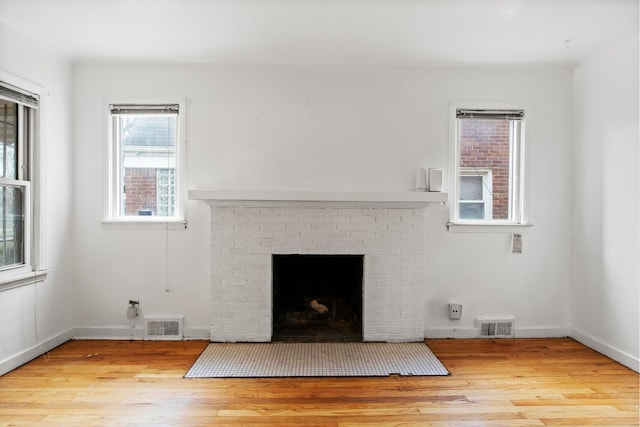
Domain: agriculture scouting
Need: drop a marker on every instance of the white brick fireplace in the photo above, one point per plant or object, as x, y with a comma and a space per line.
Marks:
247, 228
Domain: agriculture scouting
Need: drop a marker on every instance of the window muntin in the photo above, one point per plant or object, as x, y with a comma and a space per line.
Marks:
488, 146
145, 144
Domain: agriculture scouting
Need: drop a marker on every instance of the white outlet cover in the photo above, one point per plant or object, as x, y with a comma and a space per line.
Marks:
455, 311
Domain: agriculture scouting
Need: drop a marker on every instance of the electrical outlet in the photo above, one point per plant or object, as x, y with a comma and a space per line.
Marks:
455, 311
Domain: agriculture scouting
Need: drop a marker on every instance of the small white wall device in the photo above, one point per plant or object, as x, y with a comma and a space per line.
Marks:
436, 180
421, 180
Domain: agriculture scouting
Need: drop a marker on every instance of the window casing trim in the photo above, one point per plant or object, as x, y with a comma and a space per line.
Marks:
127, 105
33, 269
484, 227
519, 204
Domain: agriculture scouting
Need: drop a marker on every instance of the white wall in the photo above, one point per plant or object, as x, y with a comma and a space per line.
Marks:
47, 303
606, 256
332, 128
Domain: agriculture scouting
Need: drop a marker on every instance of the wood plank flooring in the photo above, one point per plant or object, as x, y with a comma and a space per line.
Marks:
522, 382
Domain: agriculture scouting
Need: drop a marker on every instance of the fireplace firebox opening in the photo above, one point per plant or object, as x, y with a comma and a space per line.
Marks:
317, 298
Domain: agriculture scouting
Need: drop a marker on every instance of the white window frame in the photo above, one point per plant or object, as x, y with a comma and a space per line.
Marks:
518, 185
487, 185
112, 217
32, 270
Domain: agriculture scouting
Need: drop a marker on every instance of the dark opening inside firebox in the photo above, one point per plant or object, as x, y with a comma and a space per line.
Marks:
317, 298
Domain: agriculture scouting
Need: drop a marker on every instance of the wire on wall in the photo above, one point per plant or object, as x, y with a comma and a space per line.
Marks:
166, 257
36, 298
169, 204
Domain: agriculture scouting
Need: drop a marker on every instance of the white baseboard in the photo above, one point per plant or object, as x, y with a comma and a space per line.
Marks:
197, 334
608, 350
124, 333
31, 353
108, 333
451, 333
475, 333
542, 332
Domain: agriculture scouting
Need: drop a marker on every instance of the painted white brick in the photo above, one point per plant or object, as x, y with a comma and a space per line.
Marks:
323, 226
276, 242
350, 211
223, 226
244, 239
273, 211
233, 282
234, 251
313, 235
299, 226
355, 226
364, 219
320, 211
273, 227
278, 219
288, 234
338, 219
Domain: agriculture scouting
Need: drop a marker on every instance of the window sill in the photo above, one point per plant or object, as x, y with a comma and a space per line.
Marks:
21, 279
457, 227
145, 224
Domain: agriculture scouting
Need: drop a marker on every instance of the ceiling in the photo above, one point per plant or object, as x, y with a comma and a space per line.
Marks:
408, 32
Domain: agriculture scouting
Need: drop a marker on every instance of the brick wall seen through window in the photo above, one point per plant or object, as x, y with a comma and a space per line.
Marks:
485, 144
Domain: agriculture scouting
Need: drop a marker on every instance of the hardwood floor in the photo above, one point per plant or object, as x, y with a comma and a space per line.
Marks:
523, 382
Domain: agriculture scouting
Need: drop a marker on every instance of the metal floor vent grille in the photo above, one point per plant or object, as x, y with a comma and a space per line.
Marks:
496, 328
163, 328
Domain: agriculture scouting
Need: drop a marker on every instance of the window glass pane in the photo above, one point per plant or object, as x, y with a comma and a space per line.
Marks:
471, 187
147, 145
8, 138
471, 210
166, 192
11, 226
486, 144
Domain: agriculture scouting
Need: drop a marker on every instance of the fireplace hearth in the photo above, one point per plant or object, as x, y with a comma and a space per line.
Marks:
317, 298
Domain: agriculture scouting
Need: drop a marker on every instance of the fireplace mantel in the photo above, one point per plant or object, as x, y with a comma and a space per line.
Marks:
276, 198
